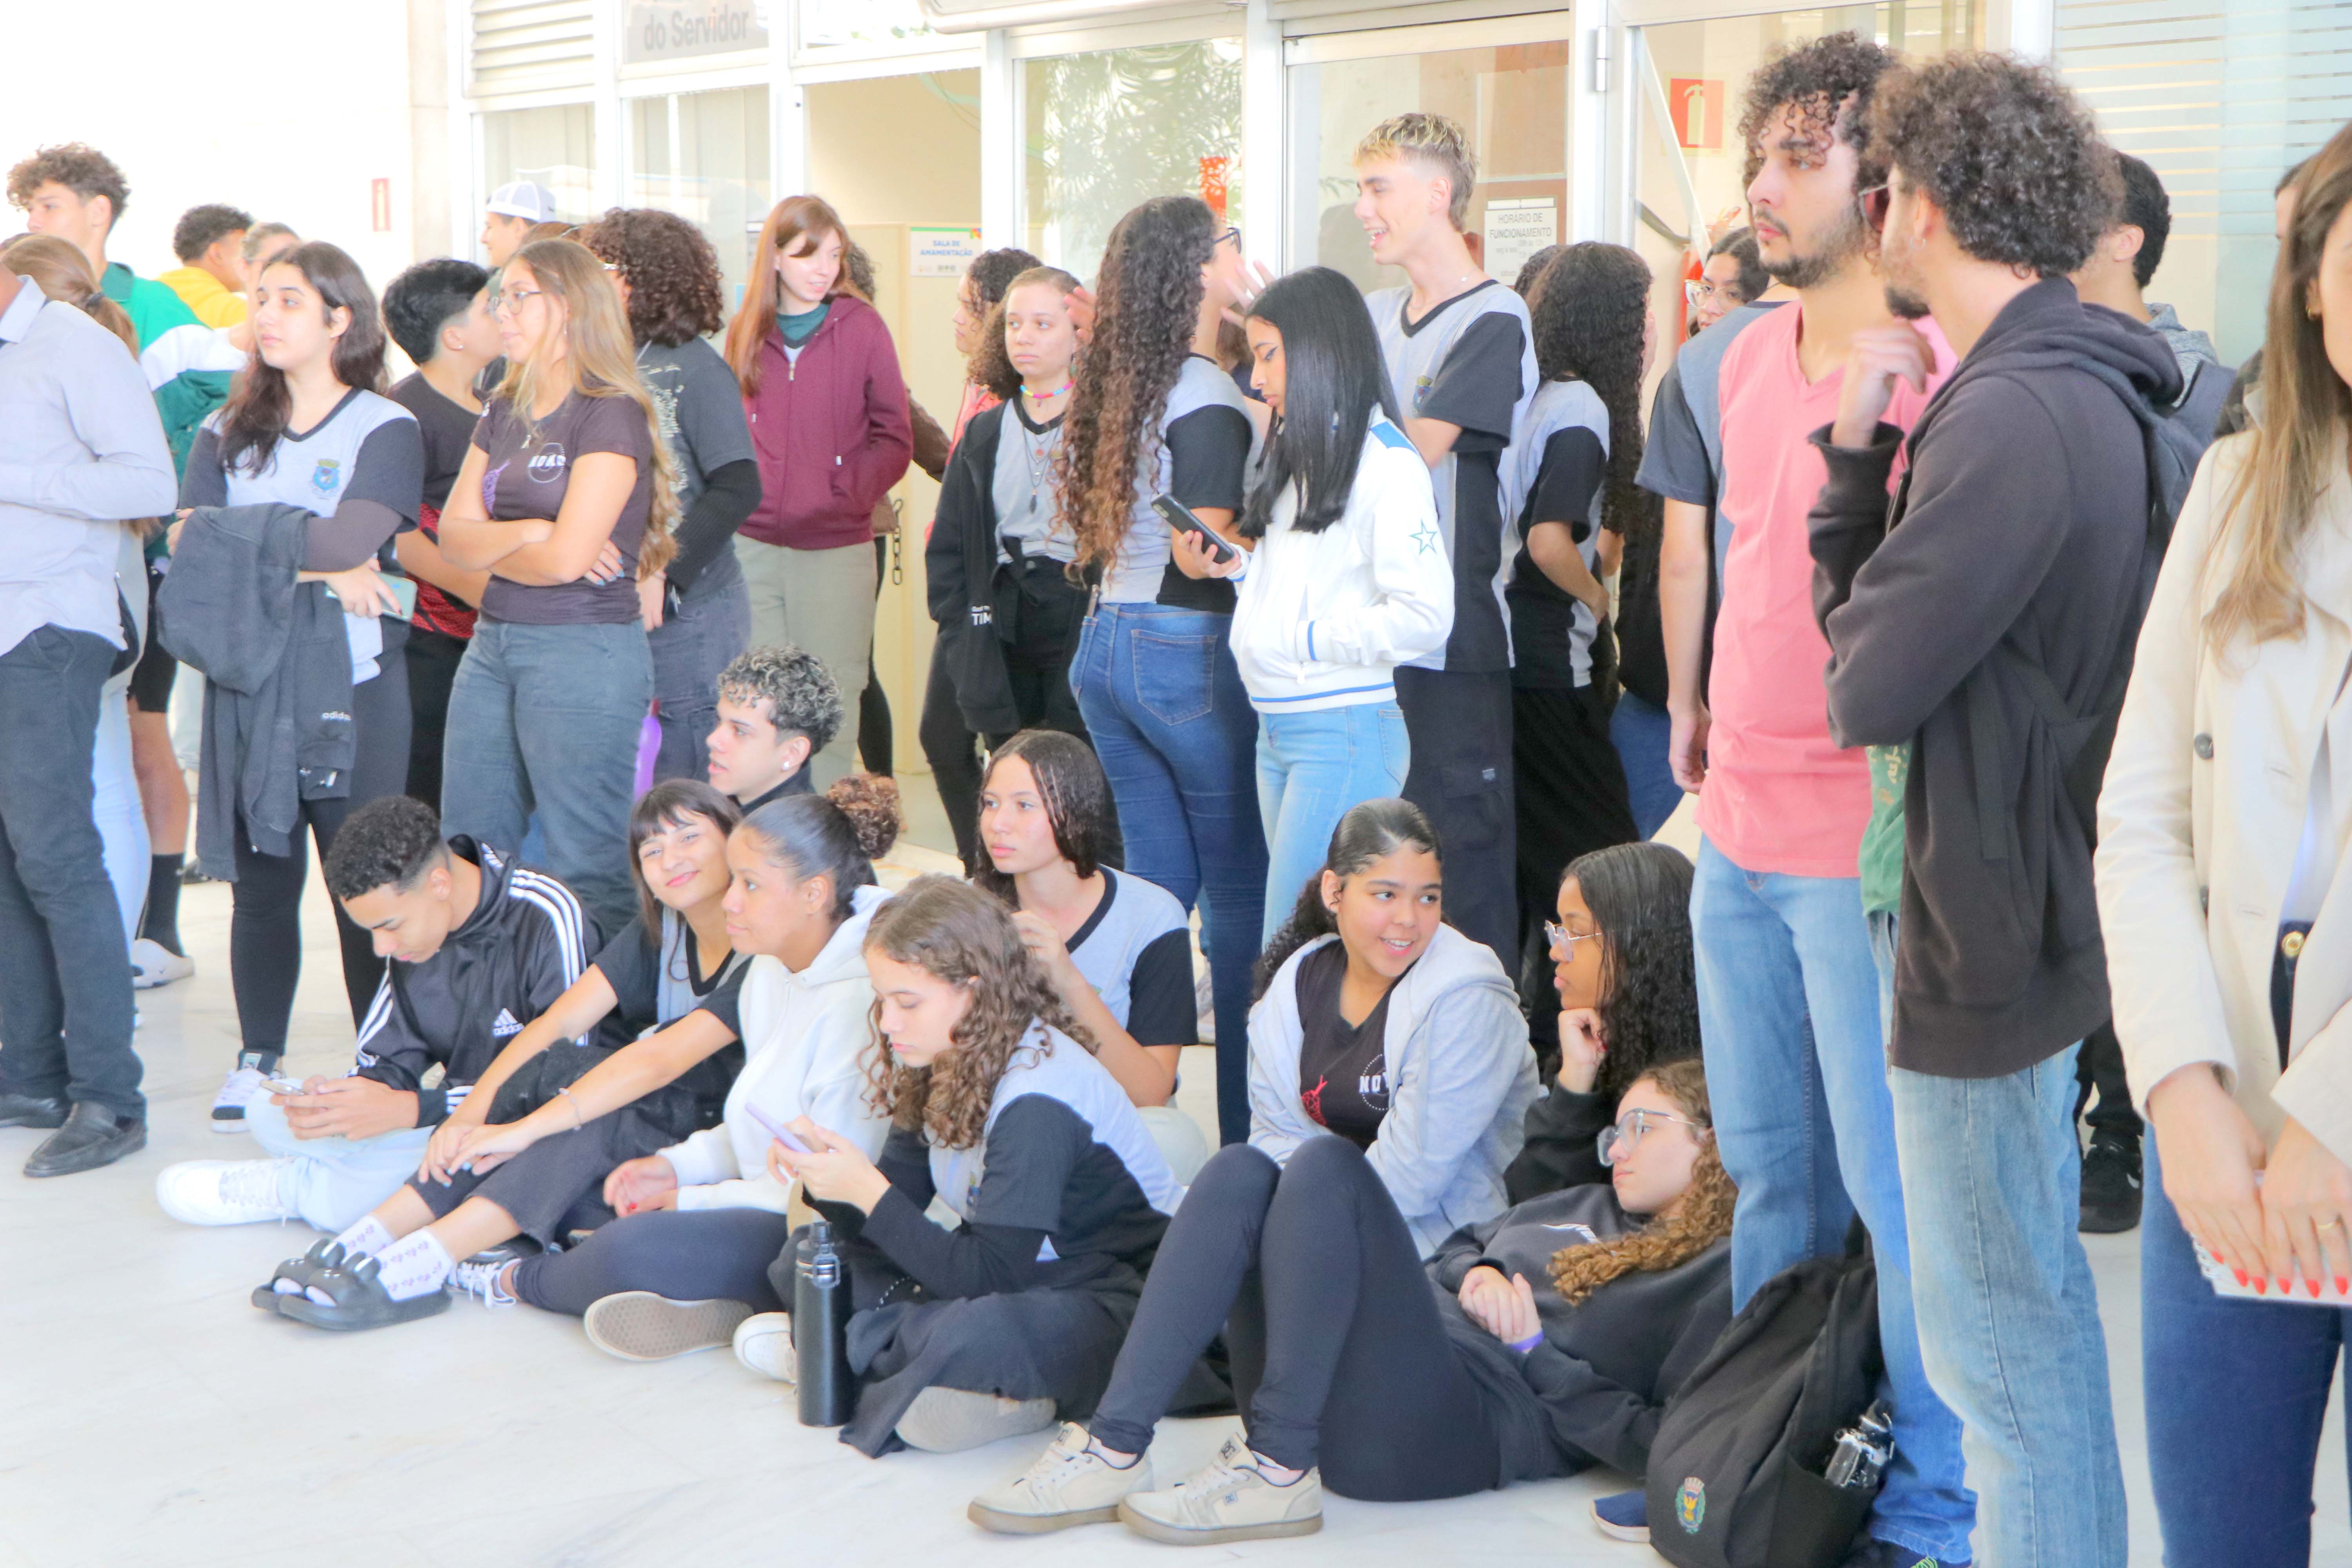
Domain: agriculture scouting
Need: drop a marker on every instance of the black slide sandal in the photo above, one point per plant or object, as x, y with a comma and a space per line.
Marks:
361, 1301
303, 1271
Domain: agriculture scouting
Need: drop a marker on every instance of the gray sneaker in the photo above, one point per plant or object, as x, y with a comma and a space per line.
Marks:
1071, 1483
640, 1325
950, 1420
1230, 1500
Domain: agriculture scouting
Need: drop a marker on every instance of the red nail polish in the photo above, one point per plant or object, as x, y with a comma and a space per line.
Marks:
2342, 1285
2240, 1274
2315, 1287
2261, 1287
2286, 1286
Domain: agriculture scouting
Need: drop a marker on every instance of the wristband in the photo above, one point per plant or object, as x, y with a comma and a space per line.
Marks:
578, 1120
1530, 1342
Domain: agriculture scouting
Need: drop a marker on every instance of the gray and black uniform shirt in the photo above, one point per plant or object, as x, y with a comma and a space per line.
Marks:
1200, 457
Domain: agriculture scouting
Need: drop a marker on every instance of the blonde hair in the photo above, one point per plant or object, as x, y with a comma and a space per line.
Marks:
2299, 441
601, 358
1438, 144
1702, 1219
62, 272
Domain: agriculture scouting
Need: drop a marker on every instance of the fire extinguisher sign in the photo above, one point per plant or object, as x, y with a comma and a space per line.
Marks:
1696, 104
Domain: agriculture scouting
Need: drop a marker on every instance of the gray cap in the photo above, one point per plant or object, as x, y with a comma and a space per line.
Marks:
524, 199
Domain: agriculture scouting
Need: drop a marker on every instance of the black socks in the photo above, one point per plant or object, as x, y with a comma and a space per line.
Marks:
162, 924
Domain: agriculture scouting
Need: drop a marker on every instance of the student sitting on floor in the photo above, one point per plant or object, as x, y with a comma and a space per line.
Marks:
1118, 948
1620, 952
479, 949
777, 707
999, 1109
701, 1220
1402, 1380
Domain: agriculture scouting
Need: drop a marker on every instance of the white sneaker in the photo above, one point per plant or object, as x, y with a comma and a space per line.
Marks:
1071, 1483
1230, 1501
950, 1420
244, 1081
153, 964
763, 1343
480, 1281
226, 1192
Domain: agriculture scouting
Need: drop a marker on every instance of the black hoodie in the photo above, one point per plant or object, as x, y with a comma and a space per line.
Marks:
2012, 555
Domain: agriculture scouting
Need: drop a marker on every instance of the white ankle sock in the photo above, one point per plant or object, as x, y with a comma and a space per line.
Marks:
367, 1236
412, 1265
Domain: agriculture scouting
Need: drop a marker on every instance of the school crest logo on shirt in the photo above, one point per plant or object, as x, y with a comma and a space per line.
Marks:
1690, 1505
547, 464
326, 477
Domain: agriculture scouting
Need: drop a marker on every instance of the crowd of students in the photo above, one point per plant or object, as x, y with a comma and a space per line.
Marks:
1268, 605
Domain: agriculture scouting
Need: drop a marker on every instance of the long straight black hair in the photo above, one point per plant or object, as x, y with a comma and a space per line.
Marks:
1367, 831
1333, 379
258, 409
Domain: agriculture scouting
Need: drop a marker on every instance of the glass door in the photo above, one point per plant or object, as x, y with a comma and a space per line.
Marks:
704, 156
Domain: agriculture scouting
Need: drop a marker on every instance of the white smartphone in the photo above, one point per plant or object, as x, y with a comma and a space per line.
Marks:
781, 1134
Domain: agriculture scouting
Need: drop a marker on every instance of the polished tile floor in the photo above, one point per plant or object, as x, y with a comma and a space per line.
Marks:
150, 1416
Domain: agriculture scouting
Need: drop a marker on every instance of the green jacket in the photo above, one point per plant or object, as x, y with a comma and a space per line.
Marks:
175, 350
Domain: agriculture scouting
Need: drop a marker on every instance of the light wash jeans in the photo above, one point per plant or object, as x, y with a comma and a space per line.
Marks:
337, 1180
121, 823
1796, 1070
2008, 1318
1641, 731
1311, 768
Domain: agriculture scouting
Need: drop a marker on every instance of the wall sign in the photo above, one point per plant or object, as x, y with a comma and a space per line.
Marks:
1516, 227
657, 31
940, 251
1696, 104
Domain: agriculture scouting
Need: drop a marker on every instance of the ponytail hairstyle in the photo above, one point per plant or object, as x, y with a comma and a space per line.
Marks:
1078, 804
62, 271
668, 805
1365, 834
790, 221
601, 357
1703, 1218
953, 931
1591, 311
1147, 308
1639, 898
991, 363
255, 416
1334, 380
835, 835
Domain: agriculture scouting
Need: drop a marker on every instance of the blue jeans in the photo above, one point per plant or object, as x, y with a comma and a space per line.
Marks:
1796, 1070
1178, 740
2007, 1317
545, 719
1311, 768
1641, 731
2237, 1392
693, 644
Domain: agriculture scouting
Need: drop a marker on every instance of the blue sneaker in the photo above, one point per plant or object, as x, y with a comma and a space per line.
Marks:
1624, 1517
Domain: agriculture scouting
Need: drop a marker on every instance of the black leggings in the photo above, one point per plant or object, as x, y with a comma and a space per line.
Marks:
264, 927
874, 746
953, 750
1339, 1355
700, 1255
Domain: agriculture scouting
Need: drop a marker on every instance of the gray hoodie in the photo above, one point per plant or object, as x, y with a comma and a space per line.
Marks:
1461, 1075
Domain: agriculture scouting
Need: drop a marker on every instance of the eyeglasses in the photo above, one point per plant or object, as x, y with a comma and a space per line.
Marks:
1233, 234
1625, 1134
1559, 935
509, 303
1874, 201
1699, 290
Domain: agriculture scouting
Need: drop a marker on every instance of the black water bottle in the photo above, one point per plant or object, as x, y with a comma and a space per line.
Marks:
820, 1329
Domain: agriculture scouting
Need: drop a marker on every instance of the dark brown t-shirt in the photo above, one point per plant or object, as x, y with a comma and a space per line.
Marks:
529, 478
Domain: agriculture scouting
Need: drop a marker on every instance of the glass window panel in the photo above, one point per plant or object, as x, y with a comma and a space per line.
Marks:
704, 156
840, 24
555, 146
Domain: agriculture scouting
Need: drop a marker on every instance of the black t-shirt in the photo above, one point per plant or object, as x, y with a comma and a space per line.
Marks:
657, 984
1343, 1074
1208, 466
530, 475
1549, 626
448, 430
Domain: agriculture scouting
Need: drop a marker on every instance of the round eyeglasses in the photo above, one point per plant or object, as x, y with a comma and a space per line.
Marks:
1625, 1135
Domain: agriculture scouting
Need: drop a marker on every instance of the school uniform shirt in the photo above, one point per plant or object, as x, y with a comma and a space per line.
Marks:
528, 476
1322, 620
361, 469
657, 979
523, 946
1023, 487
1201, 456
448, 429
1559, 465
1343, 1076
1065, 1182
1471, 362
1136, 950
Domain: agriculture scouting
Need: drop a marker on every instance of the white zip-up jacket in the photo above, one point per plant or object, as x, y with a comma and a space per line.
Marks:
804, 1038
1323, 619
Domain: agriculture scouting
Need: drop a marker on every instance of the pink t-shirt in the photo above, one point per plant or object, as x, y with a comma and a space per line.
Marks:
1780, 796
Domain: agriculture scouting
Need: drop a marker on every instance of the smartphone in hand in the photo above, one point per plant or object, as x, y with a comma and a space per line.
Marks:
1180, 516
779, 1133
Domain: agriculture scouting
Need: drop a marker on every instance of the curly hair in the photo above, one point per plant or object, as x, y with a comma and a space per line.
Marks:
1078, 802
953, 931
1703, 1220
388, 843
1830, 84
670, 268
1639, 898
1531, 271
799, 691
1591, 311
201, 227
79, 167
835, 835
991, 364
1147, 306
2007, 151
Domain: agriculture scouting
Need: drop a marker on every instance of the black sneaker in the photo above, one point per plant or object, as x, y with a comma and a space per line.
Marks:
2111, 1185
1876, 1553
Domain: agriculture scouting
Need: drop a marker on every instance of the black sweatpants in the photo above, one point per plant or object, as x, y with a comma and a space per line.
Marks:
953, 750
698, 1255
1339, 1355
433, 660
874, 738
264, 927
1572, 800
2100, 1065
1460, 726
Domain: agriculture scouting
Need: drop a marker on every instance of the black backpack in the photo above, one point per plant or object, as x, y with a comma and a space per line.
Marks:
1735, 1477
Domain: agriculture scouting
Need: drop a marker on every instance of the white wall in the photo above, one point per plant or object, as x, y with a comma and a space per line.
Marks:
288, 112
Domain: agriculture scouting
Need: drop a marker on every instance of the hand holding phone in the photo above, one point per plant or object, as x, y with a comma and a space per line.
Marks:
1180, 516
781, 1134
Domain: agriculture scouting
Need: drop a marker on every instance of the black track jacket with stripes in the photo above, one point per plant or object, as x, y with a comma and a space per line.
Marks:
522, 948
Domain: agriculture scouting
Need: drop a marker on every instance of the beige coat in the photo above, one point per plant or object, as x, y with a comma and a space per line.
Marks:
2200, 820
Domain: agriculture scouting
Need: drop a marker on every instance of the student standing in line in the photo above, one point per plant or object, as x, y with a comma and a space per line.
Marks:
1342, 583
1461, 358
828, 412
514, 209
990, 274
567, 500
310, 428
81, 450
1155, 676
209, 240
777, 707
438, 313
697, 611
2220, 796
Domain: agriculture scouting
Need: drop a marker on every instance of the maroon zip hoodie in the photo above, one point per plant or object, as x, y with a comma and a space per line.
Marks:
831, 431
